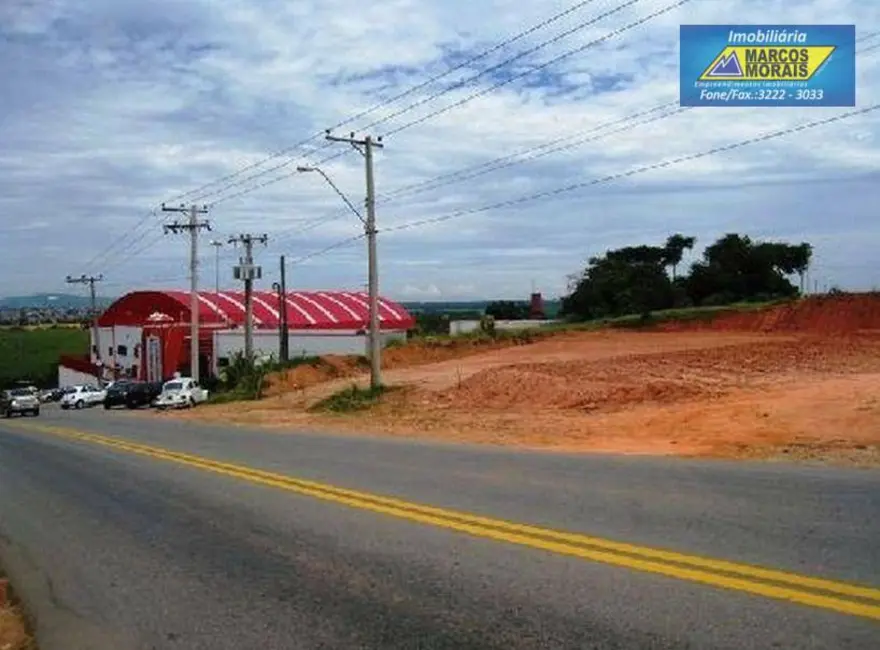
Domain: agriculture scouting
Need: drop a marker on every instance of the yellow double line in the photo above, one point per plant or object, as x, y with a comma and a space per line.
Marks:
840, 597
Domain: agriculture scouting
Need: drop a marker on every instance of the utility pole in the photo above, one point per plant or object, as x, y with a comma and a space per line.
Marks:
217, 244
365, 146
90, 280
283, 333
247, 271
193, 226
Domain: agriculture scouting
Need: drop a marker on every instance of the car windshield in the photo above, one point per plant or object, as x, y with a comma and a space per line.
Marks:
173, 385
19, 392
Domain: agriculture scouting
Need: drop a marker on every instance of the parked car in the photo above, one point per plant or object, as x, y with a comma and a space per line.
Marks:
132, 394
116, 393
181, 392
53, 394
82, 396
19, 401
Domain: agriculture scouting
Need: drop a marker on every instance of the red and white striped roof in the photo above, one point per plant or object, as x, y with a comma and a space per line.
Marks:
305, 309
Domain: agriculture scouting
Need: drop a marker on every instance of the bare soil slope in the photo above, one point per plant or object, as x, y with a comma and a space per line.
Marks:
796, 380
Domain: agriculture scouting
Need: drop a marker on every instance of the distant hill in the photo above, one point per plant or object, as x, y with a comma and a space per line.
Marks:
51, 301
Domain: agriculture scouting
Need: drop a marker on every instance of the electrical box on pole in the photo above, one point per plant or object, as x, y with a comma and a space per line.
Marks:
247, 272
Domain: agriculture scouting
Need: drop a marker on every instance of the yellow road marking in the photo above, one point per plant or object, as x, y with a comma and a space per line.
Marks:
841, 597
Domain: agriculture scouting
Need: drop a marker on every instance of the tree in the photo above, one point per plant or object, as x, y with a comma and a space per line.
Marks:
675, 247
507, 310
735, 268
630, 280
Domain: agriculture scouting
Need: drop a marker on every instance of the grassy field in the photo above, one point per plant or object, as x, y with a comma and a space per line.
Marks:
32, 354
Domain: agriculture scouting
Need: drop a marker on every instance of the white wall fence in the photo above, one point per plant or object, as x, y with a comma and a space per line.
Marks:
311, 343
457, 327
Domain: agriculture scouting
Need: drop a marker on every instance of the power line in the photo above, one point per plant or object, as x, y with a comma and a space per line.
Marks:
146, 217
555, 146
471, 97
509, 160
502, 64
632, 172
554, 60
392, 100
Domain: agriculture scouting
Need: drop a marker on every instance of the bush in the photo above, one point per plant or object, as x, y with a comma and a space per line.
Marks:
244, 380
350, 399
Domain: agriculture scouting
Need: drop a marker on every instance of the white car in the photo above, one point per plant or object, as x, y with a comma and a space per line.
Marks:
181, 392
82, 396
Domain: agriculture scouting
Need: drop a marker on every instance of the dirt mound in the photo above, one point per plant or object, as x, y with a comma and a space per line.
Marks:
611, 384
310, 374
816, 314
416, 353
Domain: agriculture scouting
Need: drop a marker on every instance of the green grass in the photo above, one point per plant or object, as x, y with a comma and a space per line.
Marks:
32, 355
633, 321
350, 399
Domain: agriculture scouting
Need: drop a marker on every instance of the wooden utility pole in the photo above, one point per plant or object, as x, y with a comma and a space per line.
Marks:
283, 332
365, 146
96, 331
193, 226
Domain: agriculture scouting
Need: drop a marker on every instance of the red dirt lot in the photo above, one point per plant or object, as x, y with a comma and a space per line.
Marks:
799, 380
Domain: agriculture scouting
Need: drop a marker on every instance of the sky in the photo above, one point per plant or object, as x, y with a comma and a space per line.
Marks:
111, 107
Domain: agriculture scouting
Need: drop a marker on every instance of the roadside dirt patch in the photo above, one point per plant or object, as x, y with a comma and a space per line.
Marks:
13, 633
829, 314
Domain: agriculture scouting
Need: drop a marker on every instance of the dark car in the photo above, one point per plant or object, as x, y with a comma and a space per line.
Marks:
140, 393
117, 394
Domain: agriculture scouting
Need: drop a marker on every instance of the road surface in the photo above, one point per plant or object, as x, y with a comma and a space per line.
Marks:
130, 531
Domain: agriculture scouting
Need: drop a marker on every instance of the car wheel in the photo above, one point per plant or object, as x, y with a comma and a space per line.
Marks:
79, 404
35, 412
7, 414
106, 406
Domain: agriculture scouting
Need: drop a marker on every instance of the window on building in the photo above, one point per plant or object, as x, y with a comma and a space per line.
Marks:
110, 351
95, 350
122, 350
222, 362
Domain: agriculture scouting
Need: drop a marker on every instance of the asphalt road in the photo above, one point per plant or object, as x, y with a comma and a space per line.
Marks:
118, 547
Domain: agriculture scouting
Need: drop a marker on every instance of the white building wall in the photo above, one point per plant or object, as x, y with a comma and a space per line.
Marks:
302, 343
467, 326
119, 344
70, 377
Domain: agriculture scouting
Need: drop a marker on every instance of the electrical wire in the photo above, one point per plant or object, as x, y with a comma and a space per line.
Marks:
556, 145
410, 91
469, 98
413, 89
632, 172
554, 60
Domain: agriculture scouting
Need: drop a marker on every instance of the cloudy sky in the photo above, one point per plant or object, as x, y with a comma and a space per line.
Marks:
110, 107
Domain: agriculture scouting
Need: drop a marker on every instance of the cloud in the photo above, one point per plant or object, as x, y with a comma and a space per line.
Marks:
114, 106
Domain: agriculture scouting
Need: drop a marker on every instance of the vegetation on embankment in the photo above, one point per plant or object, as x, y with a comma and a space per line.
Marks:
351, 399
32, 354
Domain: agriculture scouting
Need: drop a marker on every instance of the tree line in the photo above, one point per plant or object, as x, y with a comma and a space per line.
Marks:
642, 279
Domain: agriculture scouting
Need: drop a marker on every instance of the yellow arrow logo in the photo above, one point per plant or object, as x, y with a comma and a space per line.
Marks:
767, 63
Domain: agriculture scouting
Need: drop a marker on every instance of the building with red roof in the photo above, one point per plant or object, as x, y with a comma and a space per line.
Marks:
146, 334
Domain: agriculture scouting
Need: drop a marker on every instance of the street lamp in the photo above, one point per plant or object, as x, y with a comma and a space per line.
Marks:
304, 170
369, 224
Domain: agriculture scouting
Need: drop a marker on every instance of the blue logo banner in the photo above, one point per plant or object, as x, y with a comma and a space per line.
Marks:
767, 65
